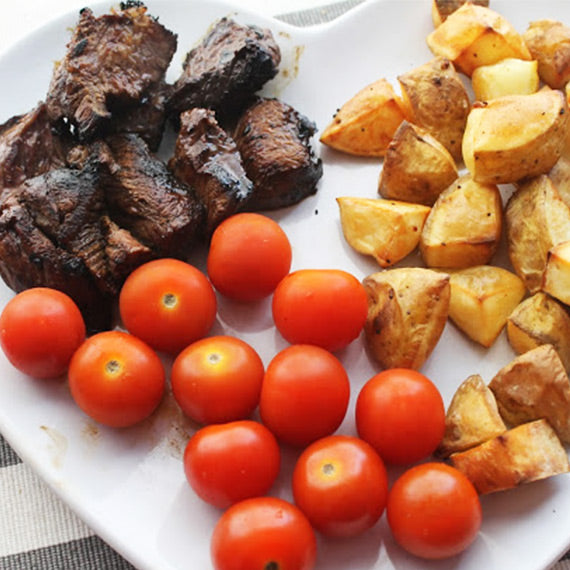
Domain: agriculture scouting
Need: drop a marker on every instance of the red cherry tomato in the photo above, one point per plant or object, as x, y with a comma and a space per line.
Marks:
341, 485
325, 307
217, 379
401, 414
263, 533
116, 379
249, 254
304, 395
434, 511
40, 329
168, 304
227, 463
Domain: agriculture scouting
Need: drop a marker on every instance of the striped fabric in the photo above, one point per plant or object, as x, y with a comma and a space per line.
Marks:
37, 530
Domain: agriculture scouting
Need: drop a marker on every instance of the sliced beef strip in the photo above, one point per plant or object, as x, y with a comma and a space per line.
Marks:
29, 258
206, 158
148, 200
225, 70
28, 147
112, 62
274, 141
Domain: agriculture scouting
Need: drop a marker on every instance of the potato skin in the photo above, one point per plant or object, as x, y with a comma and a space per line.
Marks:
436, 100
417, 167
407, 312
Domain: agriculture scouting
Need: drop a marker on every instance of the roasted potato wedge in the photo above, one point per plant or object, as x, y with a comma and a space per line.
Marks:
515, 136
476, 35
549, 43
482, 298
506, 77
441, 9
536, 219
417, 167
539, 320
464, 225
407, 312
471, 419
385, 229
556, 278
435, 98
560, 177
535, 385
526, 453
366, 123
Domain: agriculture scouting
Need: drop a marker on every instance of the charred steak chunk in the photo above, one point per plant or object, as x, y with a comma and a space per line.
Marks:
145, 198
28, 147
274, 142
112, 62
29, 258
223, 72
206, 158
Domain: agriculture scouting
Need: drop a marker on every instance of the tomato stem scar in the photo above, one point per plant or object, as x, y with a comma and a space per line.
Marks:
328, 469
113, 366
272, 565
170, 300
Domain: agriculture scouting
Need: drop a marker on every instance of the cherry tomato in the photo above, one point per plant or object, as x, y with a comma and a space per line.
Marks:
401, 413
226, 463
304, 395
217, 379
341, 485
168, 304
40, 329
325, 307
264, 533
434, 511
116, 379
249, 254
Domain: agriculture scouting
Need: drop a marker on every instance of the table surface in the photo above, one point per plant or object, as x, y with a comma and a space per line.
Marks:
37, 530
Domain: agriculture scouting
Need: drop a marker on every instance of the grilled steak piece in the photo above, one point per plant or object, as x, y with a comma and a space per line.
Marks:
274, 142
145, 198
206, 158
224, 71
112, 62
28, 147
29, 258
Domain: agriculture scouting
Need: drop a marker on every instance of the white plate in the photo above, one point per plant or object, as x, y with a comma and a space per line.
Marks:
129, 485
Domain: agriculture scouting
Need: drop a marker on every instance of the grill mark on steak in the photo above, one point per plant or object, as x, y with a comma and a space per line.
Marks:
207, 159
226, 69
146, 198
28, 147
274, 142
112, 61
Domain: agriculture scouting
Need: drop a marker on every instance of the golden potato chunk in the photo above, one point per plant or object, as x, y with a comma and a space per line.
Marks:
464, 225
560, 178
556, 278
549, 43
506, 77
482, 298
535, 385
526, 453
407, 312
471, 419
515, 136
539, 320
441, 9
385, 229
476, 35
417, 167
435, 98
536, 220
366, 123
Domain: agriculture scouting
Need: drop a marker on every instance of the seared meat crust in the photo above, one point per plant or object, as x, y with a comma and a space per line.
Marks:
274, 142
206, 158
225, 70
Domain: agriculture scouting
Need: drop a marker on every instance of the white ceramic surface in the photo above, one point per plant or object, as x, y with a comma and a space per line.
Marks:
129, 485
